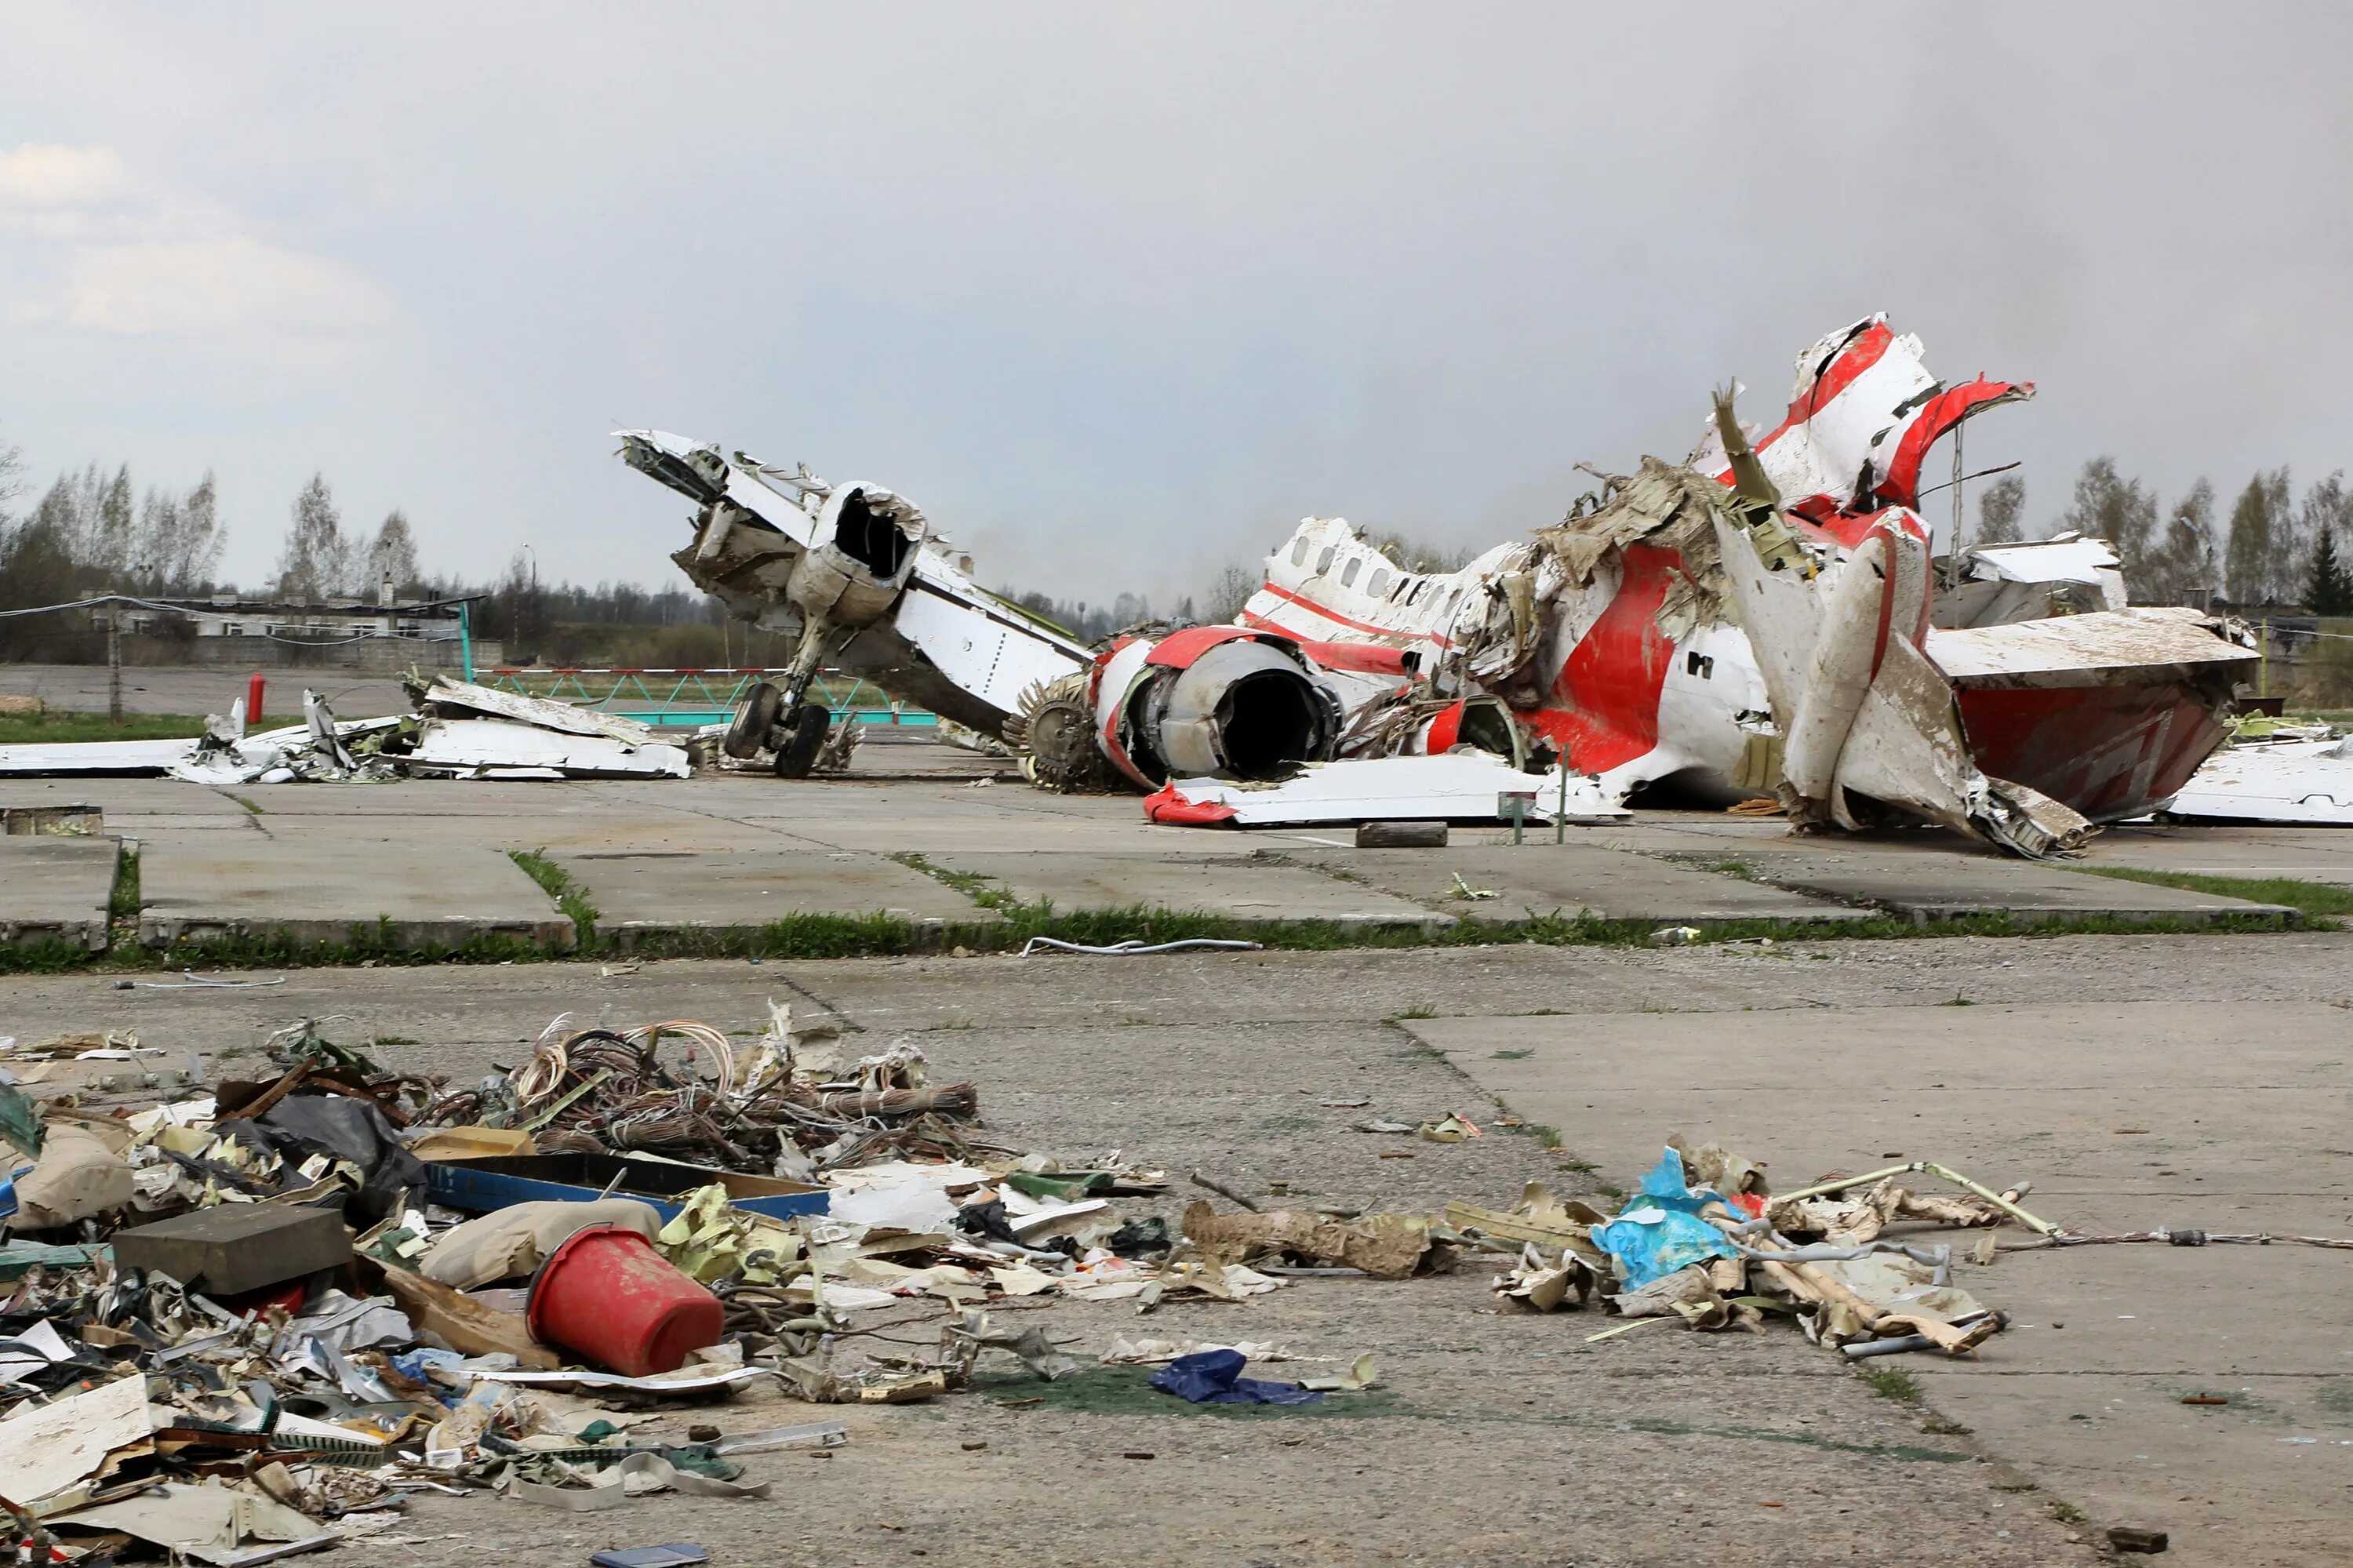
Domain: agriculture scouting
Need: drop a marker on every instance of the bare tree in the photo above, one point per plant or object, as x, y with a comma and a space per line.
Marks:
392, 553
2123, 512
2185, 560
114, 535
1229, 593
12, 478
197, 554
2253, 560
317, 562
2000, 506
1415, 555
179, 540
156, 541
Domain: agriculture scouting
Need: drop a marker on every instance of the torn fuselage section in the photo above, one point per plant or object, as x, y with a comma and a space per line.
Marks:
1769, 617
1870, 731
857, 576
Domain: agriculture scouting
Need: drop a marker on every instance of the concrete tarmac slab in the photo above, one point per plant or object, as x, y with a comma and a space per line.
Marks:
434, 896
2308, 854
56, 889
2218, 1116
1925, 887
1545, 878
133, 807
636, 891
1235, 887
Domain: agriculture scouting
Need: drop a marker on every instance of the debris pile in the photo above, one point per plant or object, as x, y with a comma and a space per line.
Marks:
260, 1315
1705, 1241
456, 730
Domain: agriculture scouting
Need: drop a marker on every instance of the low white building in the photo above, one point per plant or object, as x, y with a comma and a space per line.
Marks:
225, 615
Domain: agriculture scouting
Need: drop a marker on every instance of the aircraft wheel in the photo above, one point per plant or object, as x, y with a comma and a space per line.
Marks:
754, 716
803, 737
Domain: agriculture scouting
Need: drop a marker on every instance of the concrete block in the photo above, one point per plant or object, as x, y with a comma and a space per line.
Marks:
1922, 888
639, 891
235, 1247
56, 889
430, 894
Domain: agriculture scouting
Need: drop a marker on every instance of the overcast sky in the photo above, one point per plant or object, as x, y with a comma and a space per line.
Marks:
1116, 294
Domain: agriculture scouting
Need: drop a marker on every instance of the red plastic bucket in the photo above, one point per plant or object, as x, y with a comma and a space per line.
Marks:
606, 1294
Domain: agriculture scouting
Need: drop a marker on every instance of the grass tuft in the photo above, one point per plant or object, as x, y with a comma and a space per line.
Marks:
1890, 1383
569, 895
123, 898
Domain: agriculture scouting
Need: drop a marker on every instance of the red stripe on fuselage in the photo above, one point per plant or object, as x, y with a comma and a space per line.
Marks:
1858, 356
1605, 703
1334, 616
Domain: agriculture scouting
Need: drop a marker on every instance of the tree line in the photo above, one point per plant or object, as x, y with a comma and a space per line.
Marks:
2273, 549
96, 532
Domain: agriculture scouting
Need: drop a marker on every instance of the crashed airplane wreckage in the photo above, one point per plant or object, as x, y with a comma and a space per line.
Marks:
459, 730
1766, 618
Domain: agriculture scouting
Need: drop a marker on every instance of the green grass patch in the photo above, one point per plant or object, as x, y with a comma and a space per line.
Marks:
569, 895
251, 806
981, 890
123, 898
1545, 1134
792, 936
48, 956
1888, 1382
2318, 900
54, 727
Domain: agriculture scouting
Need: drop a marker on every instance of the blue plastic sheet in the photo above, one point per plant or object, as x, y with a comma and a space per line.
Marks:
416, 1366
1214, 1377
1660, 1231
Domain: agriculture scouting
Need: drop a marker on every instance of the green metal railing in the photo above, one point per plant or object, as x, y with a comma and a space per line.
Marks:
684, 699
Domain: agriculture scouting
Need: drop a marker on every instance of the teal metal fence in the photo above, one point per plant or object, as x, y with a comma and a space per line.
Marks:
687, 699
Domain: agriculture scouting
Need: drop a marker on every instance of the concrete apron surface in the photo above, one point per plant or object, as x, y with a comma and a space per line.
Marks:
2221, 1117
736, 852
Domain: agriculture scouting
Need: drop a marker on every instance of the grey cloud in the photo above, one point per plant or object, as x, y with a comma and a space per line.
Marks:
1090, 283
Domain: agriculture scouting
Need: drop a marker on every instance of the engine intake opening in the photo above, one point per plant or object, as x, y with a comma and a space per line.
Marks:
871, 535
1269, 722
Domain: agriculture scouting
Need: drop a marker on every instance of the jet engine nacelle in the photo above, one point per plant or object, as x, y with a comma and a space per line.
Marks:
860, 557
1222, 702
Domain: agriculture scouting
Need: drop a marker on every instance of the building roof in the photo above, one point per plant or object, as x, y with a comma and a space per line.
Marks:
422, 609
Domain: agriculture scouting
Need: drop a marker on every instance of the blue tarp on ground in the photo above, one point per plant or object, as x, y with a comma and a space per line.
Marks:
1214, 1377
1660, 1231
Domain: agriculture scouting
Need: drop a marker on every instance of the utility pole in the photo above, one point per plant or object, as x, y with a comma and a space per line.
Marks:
115, 661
